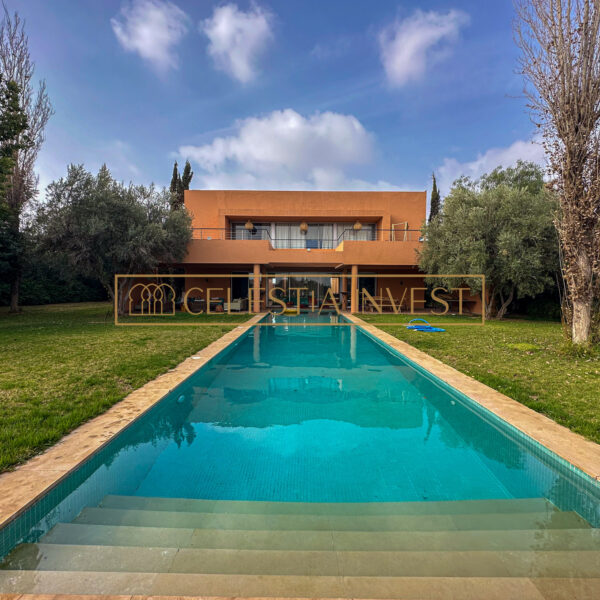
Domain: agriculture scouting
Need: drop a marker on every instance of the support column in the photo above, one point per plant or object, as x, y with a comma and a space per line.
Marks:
344, 293
256, 290
354, 290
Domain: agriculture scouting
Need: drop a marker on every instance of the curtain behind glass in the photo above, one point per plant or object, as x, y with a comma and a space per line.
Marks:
320, 235
346, 231
288, 235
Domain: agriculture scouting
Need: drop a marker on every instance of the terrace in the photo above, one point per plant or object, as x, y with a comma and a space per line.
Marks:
313, 236
320, 245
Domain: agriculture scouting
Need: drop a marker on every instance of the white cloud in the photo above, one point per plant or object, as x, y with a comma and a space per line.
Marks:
285, 150
408, 46
152, 29
451, 168
237, 39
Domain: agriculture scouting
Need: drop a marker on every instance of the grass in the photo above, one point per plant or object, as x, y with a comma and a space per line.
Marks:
184, 318
528, 361
64, 364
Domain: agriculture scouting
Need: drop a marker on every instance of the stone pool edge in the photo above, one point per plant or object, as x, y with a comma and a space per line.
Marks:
568, 445
21, 488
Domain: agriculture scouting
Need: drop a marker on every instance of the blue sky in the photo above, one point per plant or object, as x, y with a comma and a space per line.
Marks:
281, 94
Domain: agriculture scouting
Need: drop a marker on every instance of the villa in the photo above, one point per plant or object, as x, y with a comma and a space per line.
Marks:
357, 235
304, 243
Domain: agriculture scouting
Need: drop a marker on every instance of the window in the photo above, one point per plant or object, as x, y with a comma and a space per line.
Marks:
318, 235
288, 235
346, 231
260, 231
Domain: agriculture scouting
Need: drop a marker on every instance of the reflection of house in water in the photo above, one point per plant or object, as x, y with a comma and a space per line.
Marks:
290, 398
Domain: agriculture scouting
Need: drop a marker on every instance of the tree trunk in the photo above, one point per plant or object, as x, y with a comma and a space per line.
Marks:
14, 293
582, 303
123, 297
489, 302
505, 304
582, 320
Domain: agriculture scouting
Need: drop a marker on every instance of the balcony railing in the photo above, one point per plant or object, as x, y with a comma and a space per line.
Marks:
306, 242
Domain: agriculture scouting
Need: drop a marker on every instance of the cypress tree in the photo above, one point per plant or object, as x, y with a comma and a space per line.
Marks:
435, 204
174, 178
13, 131
186, 177
180, 183
14, 137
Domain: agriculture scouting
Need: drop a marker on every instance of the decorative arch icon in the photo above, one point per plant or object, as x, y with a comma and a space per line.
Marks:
154, 299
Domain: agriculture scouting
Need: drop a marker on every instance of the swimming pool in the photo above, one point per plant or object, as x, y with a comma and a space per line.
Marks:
321, 415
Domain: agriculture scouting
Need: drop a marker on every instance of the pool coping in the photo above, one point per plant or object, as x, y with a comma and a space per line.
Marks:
572, 447
21, 488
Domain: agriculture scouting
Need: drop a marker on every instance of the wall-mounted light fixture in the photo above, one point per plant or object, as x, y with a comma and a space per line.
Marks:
304, 227
357, 226
249, 225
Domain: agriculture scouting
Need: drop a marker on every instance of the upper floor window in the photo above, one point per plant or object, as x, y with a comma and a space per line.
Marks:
312, 236
259, 231
316, 236
346, 231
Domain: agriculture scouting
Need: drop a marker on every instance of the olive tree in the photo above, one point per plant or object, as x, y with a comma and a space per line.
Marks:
101, 227
501, 226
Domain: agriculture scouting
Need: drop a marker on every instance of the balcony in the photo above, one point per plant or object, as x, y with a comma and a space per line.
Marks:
306, 241
380, 247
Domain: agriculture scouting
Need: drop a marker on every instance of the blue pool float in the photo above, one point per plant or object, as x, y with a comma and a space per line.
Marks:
426, 327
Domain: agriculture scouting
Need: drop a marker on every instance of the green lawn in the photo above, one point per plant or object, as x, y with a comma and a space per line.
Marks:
64, 364
526, 360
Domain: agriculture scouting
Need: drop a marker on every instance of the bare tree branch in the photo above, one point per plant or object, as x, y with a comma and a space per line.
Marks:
560, 61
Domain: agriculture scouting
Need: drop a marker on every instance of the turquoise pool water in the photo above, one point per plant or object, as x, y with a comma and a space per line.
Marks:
315, 414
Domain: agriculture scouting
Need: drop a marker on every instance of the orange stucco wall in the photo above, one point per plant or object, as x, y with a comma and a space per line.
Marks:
214, 208
245, 252
217, 209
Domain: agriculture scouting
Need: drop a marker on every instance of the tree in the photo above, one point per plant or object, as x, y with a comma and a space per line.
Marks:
502, 230
560, 60
13, 137
13, 132
101, 227
174, 180
186, 177
180, 183
16, 66
434, 207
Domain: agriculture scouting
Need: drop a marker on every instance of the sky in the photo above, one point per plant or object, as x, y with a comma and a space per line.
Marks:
281, 94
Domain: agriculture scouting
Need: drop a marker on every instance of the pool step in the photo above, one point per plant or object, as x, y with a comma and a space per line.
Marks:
555, 563
520, 539
508, 505
492, 549
391, 588
311, 522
